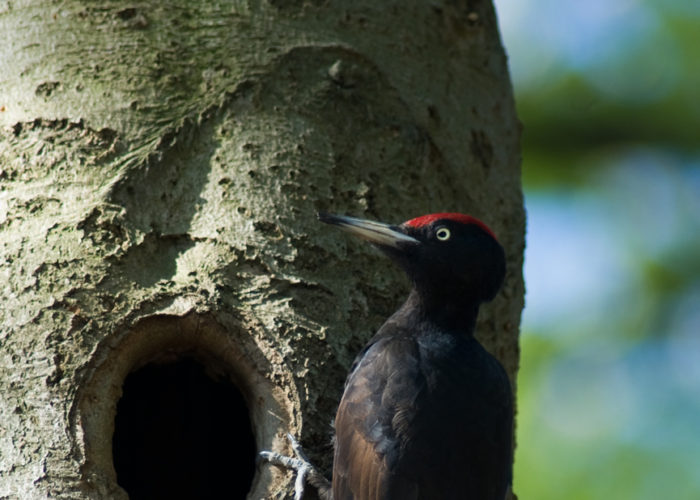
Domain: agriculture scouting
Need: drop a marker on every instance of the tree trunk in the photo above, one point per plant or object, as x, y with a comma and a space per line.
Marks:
161, 170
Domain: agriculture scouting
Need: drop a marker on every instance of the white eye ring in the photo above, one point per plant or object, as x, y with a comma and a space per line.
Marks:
443, 234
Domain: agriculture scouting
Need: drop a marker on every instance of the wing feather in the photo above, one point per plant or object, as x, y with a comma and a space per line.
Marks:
411, 422
365, 438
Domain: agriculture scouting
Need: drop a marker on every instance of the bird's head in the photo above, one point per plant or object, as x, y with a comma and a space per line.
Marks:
448, 256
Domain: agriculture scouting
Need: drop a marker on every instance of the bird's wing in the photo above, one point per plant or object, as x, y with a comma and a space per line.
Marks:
368, 425
423, 421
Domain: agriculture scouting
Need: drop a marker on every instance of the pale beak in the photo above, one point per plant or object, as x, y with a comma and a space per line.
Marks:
374, 232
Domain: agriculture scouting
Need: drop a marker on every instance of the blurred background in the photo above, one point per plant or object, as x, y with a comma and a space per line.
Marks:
609, 387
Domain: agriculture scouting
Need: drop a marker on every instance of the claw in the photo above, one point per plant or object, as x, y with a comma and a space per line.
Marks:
297, 447
305, 470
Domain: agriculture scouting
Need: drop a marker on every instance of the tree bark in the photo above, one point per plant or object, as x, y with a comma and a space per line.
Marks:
160, 172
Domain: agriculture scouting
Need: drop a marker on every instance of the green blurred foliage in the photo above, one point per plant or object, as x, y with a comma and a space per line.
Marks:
647, 92
609, 385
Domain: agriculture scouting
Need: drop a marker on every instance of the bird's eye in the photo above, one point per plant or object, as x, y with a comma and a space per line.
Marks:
443, 234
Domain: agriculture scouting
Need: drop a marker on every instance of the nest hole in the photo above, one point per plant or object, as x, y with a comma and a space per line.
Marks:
180, 433
178, 407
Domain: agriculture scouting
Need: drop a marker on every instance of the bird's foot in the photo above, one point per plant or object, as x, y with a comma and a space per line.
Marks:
306, 471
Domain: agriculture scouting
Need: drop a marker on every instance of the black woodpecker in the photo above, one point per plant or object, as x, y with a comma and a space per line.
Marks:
427, 412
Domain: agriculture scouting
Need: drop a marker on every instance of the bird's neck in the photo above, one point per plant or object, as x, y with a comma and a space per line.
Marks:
452, 315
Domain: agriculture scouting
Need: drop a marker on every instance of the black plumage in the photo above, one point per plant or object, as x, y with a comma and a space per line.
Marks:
427, 412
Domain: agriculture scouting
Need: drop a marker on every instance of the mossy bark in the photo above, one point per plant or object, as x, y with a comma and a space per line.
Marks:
160, 171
